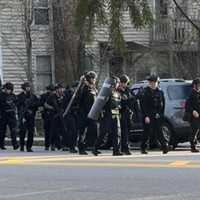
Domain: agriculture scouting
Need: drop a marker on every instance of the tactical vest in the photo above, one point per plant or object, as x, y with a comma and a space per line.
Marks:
115, 101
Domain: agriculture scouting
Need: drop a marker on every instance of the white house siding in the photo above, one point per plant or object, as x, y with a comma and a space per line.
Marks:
131, 34
13, 43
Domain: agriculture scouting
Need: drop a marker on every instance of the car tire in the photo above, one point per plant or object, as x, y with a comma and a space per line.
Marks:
167, 131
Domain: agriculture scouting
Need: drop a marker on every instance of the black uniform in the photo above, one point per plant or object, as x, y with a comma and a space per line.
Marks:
71, 121
46, 116
87, 98
27, 104
193, 103
8, 117
111, 123
56, 107
153, 106
128, 107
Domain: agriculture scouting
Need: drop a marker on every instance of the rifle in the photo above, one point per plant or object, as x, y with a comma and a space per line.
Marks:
73, 96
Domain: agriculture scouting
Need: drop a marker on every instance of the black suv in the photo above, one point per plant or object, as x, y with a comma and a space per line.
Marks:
174, 128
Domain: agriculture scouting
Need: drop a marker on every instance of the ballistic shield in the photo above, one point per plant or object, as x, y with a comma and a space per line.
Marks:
102, 98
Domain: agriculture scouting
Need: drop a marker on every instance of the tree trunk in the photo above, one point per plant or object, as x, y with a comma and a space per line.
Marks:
27, 20
68, 44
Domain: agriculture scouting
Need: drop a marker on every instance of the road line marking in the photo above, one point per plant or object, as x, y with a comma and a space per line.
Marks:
91, 157
179, 163
165, 197
13, 196
176, 164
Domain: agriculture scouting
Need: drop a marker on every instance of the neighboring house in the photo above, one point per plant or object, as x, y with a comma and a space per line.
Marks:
169, 48
13, 57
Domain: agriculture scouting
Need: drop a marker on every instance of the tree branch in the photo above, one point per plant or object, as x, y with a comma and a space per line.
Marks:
186, 16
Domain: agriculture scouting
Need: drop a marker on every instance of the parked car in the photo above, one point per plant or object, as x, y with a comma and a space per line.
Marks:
173, 127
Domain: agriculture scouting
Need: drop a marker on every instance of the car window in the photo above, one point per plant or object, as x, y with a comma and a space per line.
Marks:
179, 92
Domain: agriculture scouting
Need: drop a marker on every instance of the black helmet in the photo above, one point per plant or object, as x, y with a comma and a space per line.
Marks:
124, 79
153, 77
115, 79
196, 81
90, 75
8, 86
58, 86
25, 85
50, 87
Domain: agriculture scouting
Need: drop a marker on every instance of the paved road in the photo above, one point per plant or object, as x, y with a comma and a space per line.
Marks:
62, 176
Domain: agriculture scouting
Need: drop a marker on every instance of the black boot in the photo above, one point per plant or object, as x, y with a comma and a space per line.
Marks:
143, 151
96, 152
117, 153
73, 150
82, 152
126, 152
3, 148
194, 150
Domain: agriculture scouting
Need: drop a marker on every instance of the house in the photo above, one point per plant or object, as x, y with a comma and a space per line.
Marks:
169, 48
13, 54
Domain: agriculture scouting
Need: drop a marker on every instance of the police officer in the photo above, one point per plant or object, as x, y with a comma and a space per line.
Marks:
87, 98
27, 104
8, 114
46, 115
153, 106
127, 107
71, 118
111, 121
193, 108
55, 104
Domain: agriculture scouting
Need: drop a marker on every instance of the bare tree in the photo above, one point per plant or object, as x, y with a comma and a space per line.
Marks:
27, 18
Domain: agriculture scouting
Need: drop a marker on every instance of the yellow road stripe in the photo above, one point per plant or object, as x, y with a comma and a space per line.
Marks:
103, 156
179, 163
107, 165
101, 161
147, 164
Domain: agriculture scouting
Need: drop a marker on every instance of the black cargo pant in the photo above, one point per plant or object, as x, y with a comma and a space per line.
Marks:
125, 127
27, 126
47, 128
71, 137
111, 124
57, 132
195, 125
10, 121
153, 129
85, 126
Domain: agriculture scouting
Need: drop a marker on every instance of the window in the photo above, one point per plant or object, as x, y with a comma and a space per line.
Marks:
163, 11
44, 72
178, 92
41, 12
179, 34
